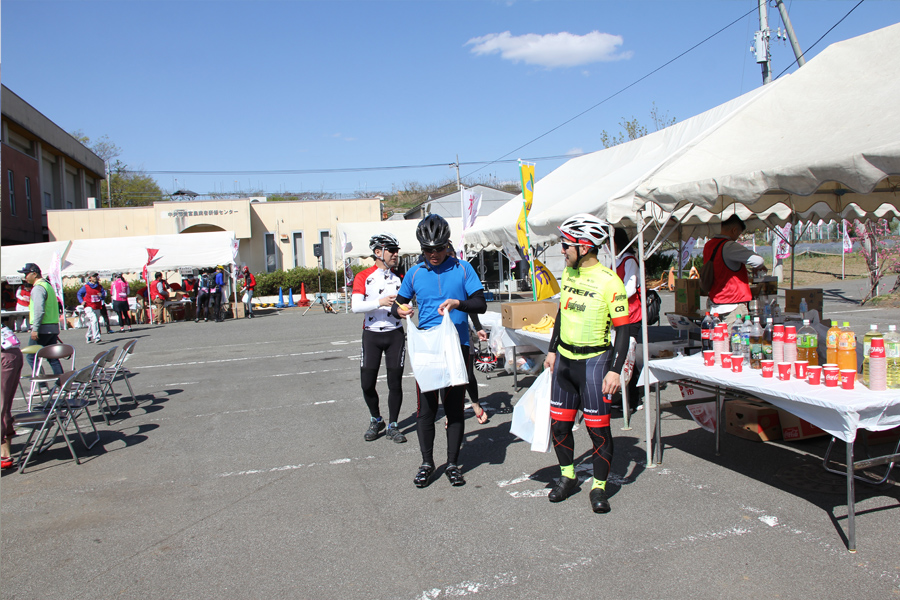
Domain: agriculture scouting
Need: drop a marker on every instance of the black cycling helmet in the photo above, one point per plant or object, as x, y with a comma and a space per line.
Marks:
433, 231
485, 361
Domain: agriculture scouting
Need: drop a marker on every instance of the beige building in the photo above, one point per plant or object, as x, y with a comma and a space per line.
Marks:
272, 235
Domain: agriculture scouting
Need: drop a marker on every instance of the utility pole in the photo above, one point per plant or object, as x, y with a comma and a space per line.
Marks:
458, 182
789, 30
761, 42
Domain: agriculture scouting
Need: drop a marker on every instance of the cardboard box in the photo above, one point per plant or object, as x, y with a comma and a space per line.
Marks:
793, 428
814, 300
752, 420
687, 297
240, 310
888, 436
516, 315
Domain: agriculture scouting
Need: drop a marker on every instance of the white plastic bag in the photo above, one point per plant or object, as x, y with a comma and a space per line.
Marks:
531, 414
435, 355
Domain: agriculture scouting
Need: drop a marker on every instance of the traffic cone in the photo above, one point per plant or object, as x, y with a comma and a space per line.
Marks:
304, 301
280, 303
291, 298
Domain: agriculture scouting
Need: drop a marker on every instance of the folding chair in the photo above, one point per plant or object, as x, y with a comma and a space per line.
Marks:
108, 374
39, 379
66, 403
89, 378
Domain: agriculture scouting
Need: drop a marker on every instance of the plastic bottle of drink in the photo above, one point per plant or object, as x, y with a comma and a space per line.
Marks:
877, 362
790, 343
846, 353
807, 341
803, 308
871, 334
745, 338
778, 344
892, 353
831, 343
716, 319
768, 333
736, 336
706, 331
756, 344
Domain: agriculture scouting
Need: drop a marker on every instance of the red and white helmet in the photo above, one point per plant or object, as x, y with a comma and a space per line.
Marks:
584, 228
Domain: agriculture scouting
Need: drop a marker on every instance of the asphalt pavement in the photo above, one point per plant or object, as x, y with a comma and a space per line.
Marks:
243, 473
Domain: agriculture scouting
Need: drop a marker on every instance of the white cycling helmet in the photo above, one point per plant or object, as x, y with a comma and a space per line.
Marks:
383, 240
585, 229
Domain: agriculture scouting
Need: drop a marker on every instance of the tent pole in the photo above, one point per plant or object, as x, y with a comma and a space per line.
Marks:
645, 348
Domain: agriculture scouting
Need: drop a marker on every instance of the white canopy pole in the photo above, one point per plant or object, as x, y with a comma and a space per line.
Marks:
645, 345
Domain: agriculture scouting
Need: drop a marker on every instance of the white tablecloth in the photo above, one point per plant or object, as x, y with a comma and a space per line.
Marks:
838, 412
520, 337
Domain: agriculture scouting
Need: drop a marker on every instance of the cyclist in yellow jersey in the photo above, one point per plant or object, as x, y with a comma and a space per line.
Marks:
584, 361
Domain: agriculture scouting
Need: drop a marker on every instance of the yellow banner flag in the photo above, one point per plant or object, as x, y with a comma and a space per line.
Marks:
521, 234
545, 284
527, 171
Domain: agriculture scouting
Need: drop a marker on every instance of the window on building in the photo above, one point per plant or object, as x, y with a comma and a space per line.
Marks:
11, 185
48, 201
299, 251
270, 253
28, 198
20, 143
327, 256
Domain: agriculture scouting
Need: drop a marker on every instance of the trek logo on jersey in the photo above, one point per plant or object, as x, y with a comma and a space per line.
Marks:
579, 292
577, 306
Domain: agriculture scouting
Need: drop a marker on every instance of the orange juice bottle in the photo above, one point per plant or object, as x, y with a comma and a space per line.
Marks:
846, 353
831, 343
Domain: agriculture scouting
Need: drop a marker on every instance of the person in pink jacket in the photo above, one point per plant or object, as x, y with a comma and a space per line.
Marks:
120, 292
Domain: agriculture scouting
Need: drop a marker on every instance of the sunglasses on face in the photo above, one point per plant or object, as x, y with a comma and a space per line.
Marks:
567, 245
433, 249
391, 249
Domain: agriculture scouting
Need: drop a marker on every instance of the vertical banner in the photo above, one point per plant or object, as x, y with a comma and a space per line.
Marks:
471, 205
686, 250
783, 246
545, 283
527, 172
848, 243
55, 279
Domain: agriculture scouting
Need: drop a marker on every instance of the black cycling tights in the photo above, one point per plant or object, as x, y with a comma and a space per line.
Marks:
426, 412
368, 378
601, 437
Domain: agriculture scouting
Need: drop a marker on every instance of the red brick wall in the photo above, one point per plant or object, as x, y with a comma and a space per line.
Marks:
20, 229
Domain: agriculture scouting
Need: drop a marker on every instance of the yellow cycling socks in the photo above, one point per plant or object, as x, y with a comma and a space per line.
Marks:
567, 471
598, 484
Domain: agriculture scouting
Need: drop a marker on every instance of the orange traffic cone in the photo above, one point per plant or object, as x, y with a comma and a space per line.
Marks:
303, 301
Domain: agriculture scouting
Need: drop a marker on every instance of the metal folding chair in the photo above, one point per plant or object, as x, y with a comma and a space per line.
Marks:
67, 402
109, 373
41, 380
89, 377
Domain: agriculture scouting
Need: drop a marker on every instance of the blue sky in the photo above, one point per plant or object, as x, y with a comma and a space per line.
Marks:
290, 85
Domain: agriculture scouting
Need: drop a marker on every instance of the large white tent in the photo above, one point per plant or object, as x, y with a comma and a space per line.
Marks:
129, 254
828, 133
355, 236
14, 257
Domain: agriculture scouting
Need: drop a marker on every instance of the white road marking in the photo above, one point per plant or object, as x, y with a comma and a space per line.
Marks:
850, 312
466, 588
339, 461
768, 520
243, 358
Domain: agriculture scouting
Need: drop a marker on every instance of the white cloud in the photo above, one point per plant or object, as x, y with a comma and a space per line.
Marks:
553, 49
575, 151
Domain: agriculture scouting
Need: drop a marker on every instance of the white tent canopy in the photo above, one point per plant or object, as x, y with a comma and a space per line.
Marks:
355, 236
828, 133
129, 254
15, 257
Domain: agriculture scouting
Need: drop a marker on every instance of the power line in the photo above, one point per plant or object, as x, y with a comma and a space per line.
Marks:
346, 169
821, 38
611, 96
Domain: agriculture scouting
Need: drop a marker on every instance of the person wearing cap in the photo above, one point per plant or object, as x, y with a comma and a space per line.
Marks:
441, 284
92, 295
730, 293
43, 313
248, 284
159, 293
374, 291
203, 288
584, 356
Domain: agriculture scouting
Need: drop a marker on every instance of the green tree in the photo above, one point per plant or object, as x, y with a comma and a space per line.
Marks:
634, 130
130, 187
